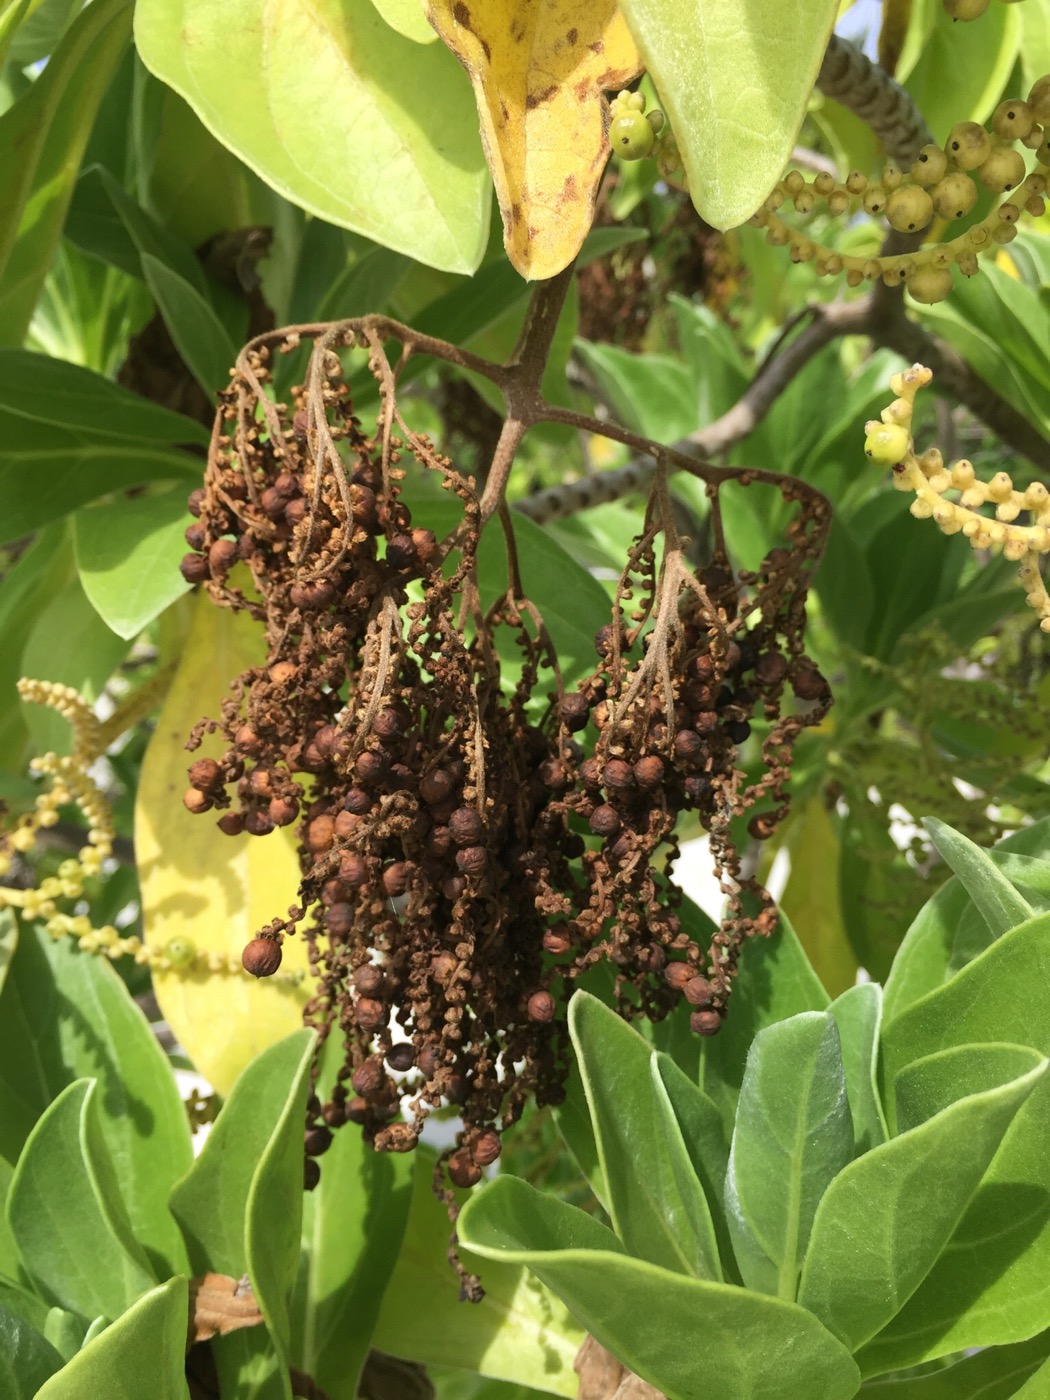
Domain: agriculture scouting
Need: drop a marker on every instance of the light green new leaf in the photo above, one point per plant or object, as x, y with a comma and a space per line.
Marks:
993, 1374
338, 112
200, 337
273, 1215
42, 141
774, 981
656, 1204
793, 1135
142, 1352
1001, 907
886, 1218
518, 1332
858, 1014
66, 1213
407, 17
28, 1356
673, 1331
934, 1083
735, 81
63, 1016
128, 551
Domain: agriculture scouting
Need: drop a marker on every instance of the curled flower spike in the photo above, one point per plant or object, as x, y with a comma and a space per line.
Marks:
72, 781
888, 442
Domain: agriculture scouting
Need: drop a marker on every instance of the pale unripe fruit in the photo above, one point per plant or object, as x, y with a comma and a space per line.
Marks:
965, 9
886, 443
930, 166
1013, 120
1002, 170
968, 144
874, 199
909, 209
929, 284
954, 196
1039, 99
631, 136
891, 176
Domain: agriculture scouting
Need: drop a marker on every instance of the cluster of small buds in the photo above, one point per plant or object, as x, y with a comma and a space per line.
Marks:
72, 783
888, 442
940, 183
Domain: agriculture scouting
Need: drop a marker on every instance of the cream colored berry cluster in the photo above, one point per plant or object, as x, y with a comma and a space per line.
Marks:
942, 183
72, 781
888, 442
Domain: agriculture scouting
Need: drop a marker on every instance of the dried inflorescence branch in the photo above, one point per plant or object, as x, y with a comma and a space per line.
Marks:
889, 443
469, 847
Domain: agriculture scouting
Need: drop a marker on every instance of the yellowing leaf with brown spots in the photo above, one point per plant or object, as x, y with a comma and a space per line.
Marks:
538, 68
213, 889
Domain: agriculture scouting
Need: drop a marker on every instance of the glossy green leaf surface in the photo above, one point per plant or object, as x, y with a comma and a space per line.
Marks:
144, 1351
273, 1214
887, 1217
655, 1202
734, 82
395, 153
128, 551
27, 1359
793, 1135
993, 1374
353, 1223
66, 1214
519, 1331
64, 1016
199, 335
999, 903
42, 141
210, 1201
774, 981
858, 1015
704, 1328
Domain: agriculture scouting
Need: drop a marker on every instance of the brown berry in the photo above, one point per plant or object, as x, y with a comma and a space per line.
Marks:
261, 957
677, 974
436, 785
401, 1057
705, 1022
557, 940
463, 1172
605, 820
649, 772
369, 1014
231, 823
320, 833
311, 1174
618, 774
466, 826
471, 860
699, 991
395, 879
487, 1148
368, 979
339, 919
257, 822
222, 555
317, 1141
574, 712
541, 1007
196, 801
368, 1078
194, 568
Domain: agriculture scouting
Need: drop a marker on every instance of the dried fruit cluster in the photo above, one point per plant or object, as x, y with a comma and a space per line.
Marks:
939, 183
469, 846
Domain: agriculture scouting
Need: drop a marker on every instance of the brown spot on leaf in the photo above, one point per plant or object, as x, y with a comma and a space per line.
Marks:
535, 98
597, 47
572, 36
568, 189
461, 14
487, 50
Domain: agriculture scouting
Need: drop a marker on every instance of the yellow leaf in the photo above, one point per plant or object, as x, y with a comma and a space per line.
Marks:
538, 71
213, 889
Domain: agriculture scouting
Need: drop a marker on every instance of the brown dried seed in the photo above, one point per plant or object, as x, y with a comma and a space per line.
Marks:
689, 746
257, 822
466, 826
574, 711
320, 833
339, 919
463, 1172
371, 766
649, 772
487, 1148
311, 1174
368, 979
231, 823
557, 940
605, 820
196, 801
367, 1079
353, 870
395, 878
205, 774
472, 860
618, 774
401, 1057
369, 1014
699, 991
194, 568
261, 957
677, 974
222, 555
436, 785
317, 1141
541, 1007
195, 501
283, 810
705, 1022
771, 668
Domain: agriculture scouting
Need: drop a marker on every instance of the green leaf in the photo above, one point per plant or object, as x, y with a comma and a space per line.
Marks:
858, 1014
735, 84
705, 1329
8, 942
397, 156
52, 391
518, 1332
407, 18
774, 981
149, 1340
701, 1131
273, 1216
210, 1200
927, 1086
42, 141
353, 1223
998, 901
650, 394
28, 1357
975, 59
886, 1218
993, 1374
793, 1135
67, 1215
1029, 876
26, 588
65, 1331
19, 1300
65, 1015
655, 1202
128, 551
200, 337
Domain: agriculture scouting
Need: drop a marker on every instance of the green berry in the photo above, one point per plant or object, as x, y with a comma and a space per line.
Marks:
965, 9
891, 176
929, 167
1002, 170
930, 284
1013, 120
874, 199
180, 951
954, 196
908, 209
631, 136
968, 145
655, 118
886, 444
